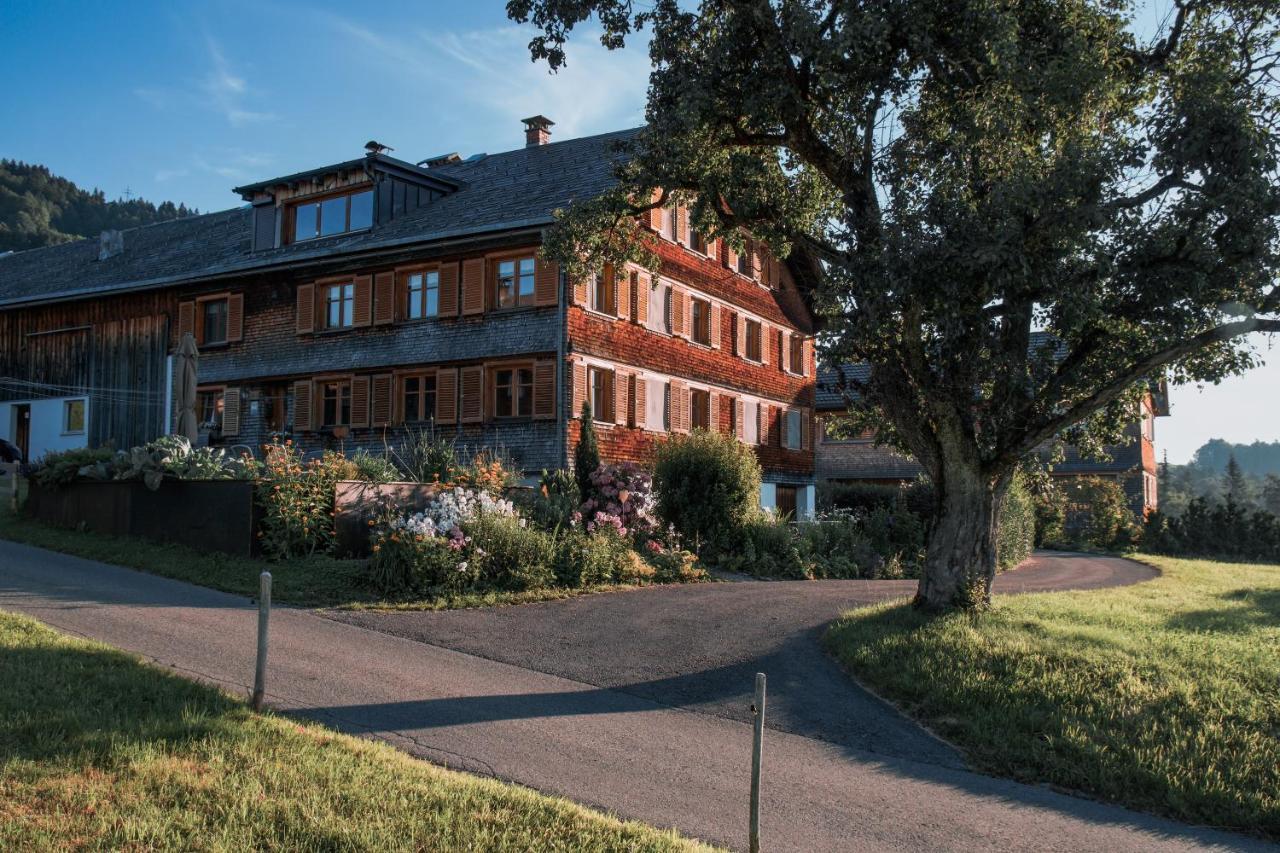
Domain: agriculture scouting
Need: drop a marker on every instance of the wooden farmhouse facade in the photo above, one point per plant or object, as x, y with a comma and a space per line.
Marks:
347, 305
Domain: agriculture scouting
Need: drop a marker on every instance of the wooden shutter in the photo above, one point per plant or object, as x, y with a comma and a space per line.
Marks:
473, 286
622, 294
678, 313
306, 309
642, 298
447, 396
471, 385
682, 224
806, 350
739, 419
806, 433
715, 325
231, 411
730, 256
640, 402
303, 406
360, 402
448, 303
186, 319
766, 341
755, 261
264, 227
579, 387
621, 397
384, 298
655, 213
362, 313
713, 416
785, 354
380, 407
546, 282
784, 427
740, 337
235, 317
580, 292
544, 389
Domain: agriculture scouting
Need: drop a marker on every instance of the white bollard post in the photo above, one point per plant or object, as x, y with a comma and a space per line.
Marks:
264, 611
757, 711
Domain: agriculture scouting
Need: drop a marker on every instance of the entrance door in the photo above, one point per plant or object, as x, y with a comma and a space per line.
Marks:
22, 430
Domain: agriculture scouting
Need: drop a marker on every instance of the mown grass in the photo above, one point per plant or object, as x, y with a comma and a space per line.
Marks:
101, 751
1163, 696
318, 581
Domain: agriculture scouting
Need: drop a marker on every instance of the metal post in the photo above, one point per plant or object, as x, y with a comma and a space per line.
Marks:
264, 611
757, 711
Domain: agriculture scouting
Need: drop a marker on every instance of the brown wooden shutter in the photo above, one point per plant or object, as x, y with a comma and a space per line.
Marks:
231, 411
622, 294
655, 213
380, 413
186, 319
579, 387
806, 433
785, 354
640, 401
621, 397
730, 257
546, 282
473, 286
715, 325
362, 313
471, 385
235, 318
303, 406
766, 341
682, 224
448, 303
360, 402
675, 413
447, 395
807, 351
642, 298
678, 313
544, 389
384, 298
739, 419
740, 336
713, 416
580, 292
306, 309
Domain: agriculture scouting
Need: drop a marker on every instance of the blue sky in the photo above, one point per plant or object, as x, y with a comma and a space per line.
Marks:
183, 101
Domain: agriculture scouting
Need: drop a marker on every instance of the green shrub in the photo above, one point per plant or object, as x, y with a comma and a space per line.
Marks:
58, 468
1098, 514
836, 547
372, 468
764, 547
586, 456
505, 553
553, 503
296, 501
708, 486
1221, 529
402, 563
425, 457
672, 565
591, 559
1016, 537
867, 497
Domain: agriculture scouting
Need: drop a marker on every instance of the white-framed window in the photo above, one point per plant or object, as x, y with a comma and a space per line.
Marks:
659, 299
655, 405
794, 429
603, 292
74, 414
600, 387
339, 306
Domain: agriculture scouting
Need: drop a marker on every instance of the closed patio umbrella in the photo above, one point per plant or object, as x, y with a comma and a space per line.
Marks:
188, 361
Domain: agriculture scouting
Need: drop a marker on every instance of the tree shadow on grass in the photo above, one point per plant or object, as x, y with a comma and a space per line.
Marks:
1243, 611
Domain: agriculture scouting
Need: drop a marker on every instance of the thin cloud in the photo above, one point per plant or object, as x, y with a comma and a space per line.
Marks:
226, 90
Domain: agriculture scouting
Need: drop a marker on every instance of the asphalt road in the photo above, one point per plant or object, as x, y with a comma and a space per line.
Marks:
616, 749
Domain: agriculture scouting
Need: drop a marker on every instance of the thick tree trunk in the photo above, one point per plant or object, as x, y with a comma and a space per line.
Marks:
960, 561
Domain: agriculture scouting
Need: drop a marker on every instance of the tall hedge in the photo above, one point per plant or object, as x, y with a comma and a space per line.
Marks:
1017, 535
708, 485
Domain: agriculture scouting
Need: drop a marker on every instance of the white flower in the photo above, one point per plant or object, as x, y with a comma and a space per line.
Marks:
462, 567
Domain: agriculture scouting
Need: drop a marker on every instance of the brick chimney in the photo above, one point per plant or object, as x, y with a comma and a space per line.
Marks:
537, 130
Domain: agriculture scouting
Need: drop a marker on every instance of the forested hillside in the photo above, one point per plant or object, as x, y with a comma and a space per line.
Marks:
38, 208
1249, 473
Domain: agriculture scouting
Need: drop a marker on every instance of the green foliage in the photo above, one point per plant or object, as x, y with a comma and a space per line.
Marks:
58, 468
401, 565
38, 208
296, 501
763, 546
173, 456
505, 553
1097, 514
372, 468
425, 457
708, 487
552, 505
603, 557
1017, 536
586, 456
1219, 529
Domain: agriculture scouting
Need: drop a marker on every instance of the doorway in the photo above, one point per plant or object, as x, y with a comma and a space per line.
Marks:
22, 430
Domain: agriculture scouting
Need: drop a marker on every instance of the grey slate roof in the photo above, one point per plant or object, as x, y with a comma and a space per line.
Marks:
833, 384
515, 189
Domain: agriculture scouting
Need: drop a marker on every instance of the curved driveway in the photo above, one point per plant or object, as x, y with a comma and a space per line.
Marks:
699, 647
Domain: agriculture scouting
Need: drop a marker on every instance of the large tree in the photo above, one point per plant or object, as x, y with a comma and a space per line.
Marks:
950, 176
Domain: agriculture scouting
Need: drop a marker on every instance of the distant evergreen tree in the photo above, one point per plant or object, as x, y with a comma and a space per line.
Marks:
39, 208
1234, 484
1271, 494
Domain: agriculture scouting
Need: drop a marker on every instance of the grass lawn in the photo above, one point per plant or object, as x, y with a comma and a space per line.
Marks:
1163, 696
101, 751
312, 582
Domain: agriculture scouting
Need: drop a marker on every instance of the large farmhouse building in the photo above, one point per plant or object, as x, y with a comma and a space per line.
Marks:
347, 304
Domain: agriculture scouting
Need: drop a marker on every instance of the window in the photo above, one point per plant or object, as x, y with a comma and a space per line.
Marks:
745, 265
209, 409
733, 416
797, 354
655, 405
339, 306
418, 398
513, 392
600, 384
753, 343
784, 501
422, 291
213, 322
697, 242
701, 322
700, 409
671, 224
659, 297
336, 399
336, 215
794, 430
515, 282
751, 422
73, 416
604, 293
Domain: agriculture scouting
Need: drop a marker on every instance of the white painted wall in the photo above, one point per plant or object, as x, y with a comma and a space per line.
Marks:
46, 425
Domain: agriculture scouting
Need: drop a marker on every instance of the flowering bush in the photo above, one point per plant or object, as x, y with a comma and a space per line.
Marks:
621, 499
445, 514
296, 499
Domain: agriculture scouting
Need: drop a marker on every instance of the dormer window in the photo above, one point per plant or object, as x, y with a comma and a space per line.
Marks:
334, 215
